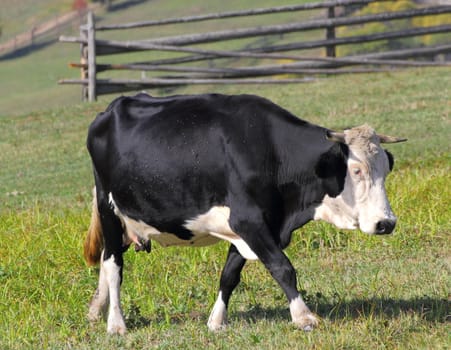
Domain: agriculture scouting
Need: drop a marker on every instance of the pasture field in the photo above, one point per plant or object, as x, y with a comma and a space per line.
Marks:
371, 292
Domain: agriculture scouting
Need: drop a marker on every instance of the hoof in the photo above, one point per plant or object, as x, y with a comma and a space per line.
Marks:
306, 322
116, 323
216, 327
93, 316
119, 329
95, 313
218, 317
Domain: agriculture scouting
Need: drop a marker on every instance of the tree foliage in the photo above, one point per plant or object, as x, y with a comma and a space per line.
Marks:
389, 26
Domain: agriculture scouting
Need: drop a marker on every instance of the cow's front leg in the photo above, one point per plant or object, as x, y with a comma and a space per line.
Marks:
230, 278
283, 272
260, 240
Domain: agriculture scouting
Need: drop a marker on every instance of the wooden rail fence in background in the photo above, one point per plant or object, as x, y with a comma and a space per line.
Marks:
300, 68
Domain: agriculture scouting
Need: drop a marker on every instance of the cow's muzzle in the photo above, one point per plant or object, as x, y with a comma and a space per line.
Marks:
385, 227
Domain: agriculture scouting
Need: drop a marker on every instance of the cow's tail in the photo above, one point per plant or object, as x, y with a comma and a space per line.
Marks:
94, 240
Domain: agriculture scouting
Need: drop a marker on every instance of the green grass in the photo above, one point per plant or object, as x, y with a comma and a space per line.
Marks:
371, 292
381, 293
18, 16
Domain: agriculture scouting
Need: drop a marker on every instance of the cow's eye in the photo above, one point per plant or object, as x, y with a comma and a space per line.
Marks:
356, 172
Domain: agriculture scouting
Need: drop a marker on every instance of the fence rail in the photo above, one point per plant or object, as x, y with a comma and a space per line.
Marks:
234, 14
91, 47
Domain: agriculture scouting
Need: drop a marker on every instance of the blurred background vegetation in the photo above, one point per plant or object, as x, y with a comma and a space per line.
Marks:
380, 27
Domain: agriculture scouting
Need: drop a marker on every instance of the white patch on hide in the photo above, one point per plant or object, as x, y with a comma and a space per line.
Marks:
336, 212
207, 229
301, 315
216, 223
100, 299
218, 315
116, 323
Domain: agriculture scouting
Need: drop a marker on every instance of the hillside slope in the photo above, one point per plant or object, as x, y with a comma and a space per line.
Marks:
29, 82
18, 16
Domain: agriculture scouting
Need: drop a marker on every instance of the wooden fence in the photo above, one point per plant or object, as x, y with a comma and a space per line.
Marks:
300, 68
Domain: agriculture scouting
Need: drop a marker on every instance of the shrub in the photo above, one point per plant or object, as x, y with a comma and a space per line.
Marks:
388, 26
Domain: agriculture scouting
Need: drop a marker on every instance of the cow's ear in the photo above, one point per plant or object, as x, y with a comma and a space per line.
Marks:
324, 168
391, 160
331, 169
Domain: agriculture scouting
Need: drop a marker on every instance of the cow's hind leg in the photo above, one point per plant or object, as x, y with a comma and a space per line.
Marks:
99, 301
230, 278
112, 262
113, 274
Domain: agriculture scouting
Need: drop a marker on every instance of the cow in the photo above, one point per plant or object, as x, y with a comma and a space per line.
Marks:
191, 170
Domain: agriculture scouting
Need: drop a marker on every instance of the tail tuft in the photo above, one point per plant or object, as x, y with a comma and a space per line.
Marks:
94, 240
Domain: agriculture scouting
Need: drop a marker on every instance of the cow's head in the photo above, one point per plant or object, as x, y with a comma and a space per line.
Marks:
363, 202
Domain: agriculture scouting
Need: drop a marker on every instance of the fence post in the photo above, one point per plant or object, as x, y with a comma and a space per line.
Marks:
330, 33
92, 71
83, 61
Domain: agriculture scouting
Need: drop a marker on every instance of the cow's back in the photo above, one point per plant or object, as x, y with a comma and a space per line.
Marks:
163, 158
170, 159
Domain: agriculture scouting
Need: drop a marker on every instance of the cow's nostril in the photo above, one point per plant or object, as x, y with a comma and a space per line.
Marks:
385, 227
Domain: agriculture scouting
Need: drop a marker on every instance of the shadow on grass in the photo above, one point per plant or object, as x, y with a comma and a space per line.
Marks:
28, 49
125, 5
427, 308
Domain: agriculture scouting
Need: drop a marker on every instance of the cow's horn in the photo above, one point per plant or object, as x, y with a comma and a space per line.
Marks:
335, 136
390, 139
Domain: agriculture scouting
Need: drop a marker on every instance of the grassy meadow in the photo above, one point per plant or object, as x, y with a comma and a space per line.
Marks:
370, 292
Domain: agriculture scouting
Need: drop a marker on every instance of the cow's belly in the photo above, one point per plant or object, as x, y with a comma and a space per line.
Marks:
138, 229
207, 229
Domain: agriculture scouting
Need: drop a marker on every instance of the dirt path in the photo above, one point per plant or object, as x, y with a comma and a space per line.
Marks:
54, 26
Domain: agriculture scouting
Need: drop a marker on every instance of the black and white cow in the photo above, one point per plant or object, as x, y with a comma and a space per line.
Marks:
193, 170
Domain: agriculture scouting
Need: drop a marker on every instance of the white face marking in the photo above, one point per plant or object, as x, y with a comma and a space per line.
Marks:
218, 315
363, 203
207, 228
